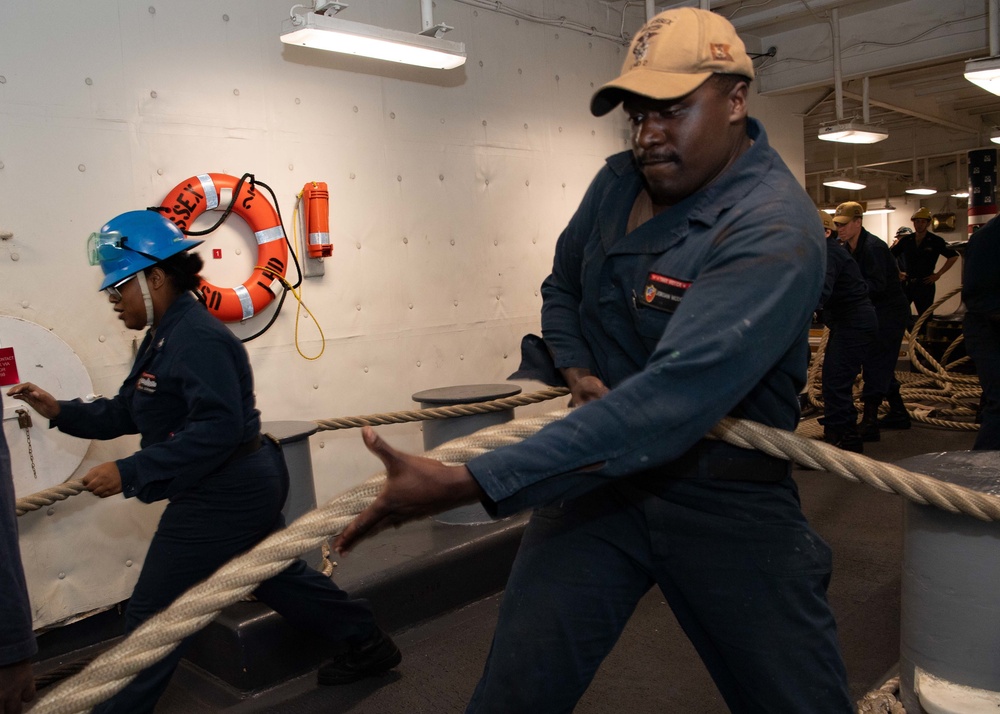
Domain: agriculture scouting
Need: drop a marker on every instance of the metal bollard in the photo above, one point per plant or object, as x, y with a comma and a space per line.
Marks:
950, 630
294, 439
439, 431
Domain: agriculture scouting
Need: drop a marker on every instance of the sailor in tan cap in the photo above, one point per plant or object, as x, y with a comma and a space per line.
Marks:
882, 275
847, 312
682, 291
917, 254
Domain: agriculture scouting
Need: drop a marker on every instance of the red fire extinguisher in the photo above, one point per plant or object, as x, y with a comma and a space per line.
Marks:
316, 209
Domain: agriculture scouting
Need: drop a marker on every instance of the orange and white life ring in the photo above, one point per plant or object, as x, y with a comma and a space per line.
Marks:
192, 197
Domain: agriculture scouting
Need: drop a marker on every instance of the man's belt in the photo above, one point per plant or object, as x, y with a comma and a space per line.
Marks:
717, 460
244, 449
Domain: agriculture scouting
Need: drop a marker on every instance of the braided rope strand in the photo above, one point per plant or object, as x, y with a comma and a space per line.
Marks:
72, 487
111, 671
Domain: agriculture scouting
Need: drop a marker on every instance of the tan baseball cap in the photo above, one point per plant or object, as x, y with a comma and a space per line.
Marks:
848, 211
827, 221
673, 54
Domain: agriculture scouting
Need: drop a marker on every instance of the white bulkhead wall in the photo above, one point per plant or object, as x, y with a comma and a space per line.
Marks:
447, 193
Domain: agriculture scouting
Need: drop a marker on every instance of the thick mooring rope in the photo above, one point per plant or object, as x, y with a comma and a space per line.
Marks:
155, 638
111, 671
882, 700
457, 410
72, 487
48, 496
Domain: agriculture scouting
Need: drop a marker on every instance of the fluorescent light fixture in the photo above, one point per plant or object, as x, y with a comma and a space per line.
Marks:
886, 208
984, 73
960, 194
995, 136
845, 182
355, 38
853, 133
921, 190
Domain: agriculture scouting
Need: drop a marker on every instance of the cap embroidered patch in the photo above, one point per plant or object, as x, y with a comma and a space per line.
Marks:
721, 52
641, 48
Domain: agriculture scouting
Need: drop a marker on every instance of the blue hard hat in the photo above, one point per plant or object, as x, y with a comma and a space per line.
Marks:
135, 241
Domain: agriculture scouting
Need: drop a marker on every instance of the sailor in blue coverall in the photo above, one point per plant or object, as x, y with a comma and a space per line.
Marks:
190, 396
681, 292
17, 641
917, 253
847, 312
981, 326
880, 271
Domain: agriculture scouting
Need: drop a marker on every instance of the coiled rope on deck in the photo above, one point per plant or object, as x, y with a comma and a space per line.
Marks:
114, 669
931, 383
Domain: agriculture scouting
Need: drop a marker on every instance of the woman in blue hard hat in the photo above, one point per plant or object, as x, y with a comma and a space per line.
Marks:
190, 396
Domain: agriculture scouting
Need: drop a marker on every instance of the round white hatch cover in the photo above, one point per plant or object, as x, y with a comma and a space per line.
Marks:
40, 457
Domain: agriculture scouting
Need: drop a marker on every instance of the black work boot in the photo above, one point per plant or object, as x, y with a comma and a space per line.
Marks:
898, 417
846, 438
374, 656
868, 428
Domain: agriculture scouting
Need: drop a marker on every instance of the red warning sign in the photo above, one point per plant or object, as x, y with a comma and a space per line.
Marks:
8, 367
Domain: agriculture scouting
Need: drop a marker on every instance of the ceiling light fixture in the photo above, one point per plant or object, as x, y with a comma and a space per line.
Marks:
845, 182
320, 31
918, 188
885, 208
852, 133
984, 73
995, 136
959, 192
848, 132
841, 179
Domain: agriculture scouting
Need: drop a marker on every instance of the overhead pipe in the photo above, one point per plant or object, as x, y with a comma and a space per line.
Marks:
835, 22
994, 20
864, 99
426, 15
889, 162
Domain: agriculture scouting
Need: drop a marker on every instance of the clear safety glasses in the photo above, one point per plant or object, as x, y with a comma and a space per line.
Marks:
113, 291
102, 247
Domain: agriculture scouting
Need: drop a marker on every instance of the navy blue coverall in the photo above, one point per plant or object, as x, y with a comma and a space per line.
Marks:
190, 396
700, 312
850, 317
918, 262
981, 324
17, 640
880, 271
